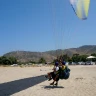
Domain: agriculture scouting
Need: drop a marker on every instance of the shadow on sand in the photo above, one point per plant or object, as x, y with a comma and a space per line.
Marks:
9, 88
51, 87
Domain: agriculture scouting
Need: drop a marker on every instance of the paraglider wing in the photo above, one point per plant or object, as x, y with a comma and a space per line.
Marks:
81, 8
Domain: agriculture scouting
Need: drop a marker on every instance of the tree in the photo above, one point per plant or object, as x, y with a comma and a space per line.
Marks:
3, 60
13, 60
83, 58
33, 62
0, 60
76, 58
8, 60
42, 60
66, 57
94, 59
93, 54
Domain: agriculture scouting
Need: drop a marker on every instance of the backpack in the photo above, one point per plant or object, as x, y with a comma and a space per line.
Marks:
64, 74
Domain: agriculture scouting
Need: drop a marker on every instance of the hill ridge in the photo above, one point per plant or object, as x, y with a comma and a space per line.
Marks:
51, 55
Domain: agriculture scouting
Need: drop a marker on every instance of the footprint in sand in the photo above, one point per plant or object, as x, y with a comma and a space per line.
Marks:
79, 78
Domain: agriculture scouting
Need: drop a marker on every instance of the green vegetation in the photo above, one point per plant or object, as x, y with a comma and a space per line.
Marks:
42, 60
29, 58
7, 60
76, 58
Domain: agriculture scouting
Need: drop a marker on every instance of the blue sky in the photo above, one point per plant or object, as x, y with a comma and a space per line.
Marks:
43, 25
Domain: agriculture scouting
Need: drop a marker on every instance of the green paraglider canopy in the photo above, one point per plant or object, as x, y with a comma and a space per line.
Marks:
81, 8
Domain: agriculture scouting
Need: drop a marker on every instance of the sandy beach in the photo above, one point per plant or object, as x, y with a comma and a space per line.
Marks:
30, 81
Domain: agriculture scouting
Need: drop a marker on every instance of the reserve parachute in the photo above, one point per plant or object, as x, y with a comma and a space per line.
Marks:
81, 8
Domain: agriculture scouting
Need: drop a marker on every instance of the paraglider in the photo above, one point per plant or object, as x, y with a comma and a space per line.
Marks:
81, 8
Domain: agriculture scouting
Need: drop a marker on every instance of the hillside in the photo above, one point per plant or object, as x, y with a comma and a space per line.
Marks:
50, 55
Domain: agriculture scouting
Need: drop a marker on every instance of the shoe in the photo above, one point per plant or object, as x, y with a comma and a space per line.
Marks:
49, 79
56, 84
52, 83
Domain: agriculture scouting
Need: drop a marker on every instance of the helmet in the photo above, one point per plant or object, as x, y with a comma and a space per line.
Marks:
56, 63
63, 62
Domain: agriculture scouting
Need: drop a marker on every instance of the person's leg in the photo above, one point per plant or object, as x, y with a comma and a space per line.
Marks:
49, 76
52, 83
55, 79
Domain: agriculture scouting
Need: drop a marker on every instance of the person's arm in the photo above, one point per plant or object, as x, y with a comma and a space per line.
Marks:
53, 68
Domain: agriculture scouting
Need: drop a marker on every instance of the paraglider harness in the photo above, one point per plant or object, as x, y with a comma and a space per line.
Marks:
64, 74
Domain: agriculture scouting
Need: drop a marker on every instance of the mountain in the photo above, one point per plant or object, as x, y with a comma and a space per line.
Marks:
51, 55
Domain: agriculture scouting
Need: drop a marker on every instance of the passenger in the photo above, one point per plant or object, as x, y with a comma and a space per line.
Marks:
55, 74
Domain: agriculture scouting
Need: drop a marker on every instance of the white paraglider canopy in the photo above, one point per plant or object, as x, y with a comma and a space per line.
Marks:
91, 57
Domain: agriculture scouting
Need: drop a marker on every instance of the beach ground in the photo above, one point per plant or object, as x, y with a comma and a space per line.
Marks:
30, 81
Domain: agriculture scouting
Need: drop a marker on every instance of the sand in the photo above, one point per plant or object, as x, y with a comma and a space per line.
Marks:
30, 81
